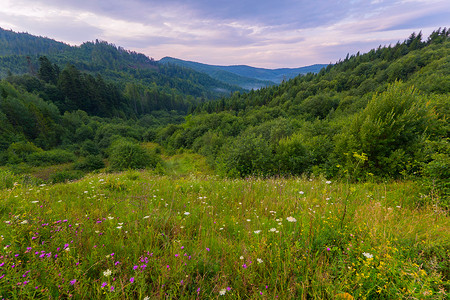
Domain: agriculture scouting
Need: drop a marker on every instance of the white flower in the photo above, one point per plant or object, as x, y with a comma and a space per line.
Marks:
146, 298
107, 273
301, 192
222, 292
24, 222
241, 258
67, 249
146, 217
8, 222
259, 260
110, 218
328, 182
248, 220
119, 227
368, 255
257, 231
291, 219
187, 213
272, 229
34, 201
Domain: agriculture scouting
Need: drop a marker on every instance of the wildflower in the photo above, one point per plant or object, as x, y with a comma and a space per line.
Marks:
207, 249
301, 192
259, 260
328, 182
291, 219
119, 227
244, 266
135, 267
107, 273
104, 284
72, 282
328, 249
186, 213
112, 289
146, 298
241, 257
222, 292
248, 220
257, 231
228, 288
272, 229
367, 255
146, 217
24, 222
132, 279
34, 201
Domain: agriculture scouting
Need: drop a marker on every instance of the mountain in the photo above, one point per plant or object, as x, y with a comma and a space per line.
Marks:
245, 76
20, 52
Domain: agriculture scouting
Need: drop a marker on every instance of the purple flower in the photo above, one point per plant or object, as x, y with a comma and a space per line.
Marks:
207, 249
135, 267
104, 284
132, 279
72, 282
244, 266
328, 249
112, 289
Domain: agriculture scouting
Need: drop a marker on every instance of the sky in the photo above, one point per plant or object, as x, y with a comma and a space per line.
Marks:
259, 33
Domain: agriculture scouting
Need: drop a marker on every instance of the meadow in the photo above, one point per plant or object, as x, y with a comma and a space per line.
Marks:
140, 235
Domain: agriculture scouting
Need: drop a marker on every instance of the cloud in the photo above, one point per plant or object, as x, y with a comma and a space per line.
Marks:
282, 33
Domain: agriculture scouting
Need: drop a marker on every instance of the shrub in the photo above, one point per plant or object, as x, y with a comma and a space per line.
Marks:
64, 176
19, 151
52, 157
128, 155
90, 163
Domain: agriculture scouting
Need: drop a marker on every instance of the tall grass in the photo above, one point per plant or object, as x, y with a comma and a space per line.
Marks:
135, 235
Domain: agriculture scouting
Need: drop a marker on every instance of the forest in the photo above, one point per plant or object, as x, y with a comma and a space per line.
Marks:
374, 116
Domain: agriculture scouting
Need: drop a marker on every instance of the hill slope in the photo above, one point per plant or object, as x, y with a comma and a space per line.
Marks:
383, 114
245, 76
20, 52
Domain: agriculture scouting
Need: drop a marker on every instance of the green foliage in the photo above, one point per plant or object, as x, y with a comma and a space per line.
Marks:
125, 154
390, 131
51, 157
20, 151
65, 176
90, 163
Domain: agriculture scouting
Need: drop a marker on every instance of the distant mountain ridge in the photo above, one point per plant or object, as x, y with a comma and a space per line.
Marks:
245, 76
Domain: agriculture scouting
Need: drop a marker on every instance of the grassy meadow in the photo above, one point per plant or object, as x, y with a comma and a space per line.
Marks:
140, 235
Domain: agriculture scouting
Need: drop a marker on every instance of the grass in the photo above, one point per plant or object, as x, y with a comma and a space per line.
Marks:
136, 234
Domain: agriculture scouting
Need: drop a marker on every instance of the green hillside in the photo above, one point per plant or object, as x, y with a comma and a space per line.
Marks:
383, 114
20, 53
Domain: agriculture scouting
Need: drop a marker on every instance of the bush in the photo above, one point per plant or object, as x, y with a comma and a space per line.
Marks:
90, 163
19, 152
52, 157
390, 132
128, 155
64, 176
